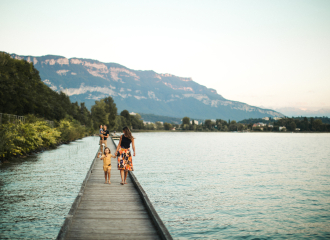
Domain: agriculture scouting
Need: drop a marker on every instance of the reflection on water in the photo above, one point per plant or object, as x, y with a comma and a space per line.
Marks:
36, 193
237, 185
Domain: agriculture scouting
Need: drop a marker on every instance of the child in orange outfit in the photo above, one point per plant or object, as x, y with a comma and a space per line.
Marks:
107, 164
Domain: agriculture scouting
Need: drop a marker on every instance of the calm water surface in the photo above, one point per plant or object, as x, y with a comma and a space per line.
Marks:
237, 185
36, 193
203, 185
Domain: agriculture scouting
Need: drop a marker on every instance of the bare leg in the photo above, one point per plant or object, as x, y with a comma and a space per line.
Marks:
122, 176
126, 172
109, 174
105, 176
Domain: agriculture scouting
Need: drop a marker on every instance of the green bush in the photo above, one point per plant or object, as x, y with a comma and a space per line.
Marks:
35, 134
19, 139
71, 130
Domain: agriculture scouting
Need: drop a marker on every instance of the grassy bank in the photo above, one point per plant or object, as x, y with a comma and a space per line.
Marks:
35, 135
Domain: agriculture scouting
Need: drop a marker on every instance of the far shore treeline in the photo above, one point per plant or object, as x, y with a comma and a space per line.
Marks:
23, 93
298, 124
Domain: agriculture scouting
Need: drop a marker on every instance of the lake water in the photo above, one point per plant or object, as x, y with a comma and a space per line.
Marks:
36, 193
237, 185
203, 185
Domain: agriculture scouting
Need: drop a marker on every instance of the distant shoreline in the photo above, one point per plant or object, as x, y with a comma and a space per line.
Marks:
137, 131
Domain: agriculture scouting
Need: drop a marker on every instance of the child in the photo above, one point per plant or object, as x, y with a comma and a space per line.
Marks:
107, 164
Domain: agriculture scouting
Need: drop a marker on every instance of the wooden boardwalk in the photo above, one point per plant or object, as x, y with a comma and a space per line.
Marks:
112, 211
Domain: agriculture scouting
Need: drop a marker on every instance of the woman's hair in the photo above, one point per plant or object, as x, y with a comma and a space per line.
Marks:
100, 126
107, 148
127, 133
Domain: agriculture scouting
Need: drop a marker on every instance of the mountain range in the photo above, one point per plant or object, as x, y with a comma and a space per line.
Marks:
296, 112
87, 80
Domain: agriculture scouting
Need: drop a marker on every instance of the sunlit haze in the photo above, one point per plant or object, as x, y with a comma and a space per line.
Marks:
273, 54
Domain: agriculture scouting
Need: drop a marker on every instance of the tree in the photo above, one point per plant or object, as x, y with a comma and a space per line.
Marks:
99, 115
85, 116
120, 122
111, 109
312, 124
208, 124
137, 122
150, 126
318, 124
127, 117
167, 126
185, 120
22, 92
292, 126
240, 127
159, 125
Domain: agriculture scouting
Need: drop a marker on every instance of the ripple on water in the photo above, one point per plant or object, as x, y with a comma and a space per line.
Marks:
237, 186
36, 193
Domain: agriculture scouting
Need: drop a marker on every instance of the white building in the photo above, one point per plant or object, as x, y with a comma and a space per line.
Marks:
195, 122
145, 123
282, 128
266, 118
276, 118
132, 113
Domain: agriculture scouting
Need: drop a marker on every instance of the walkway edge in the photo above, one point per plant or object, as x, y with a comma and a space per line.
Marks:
68, 220
162, 230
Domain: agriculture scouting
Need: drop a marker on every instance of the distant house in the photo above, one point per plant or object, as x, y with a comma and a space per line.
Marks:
132, 113
145, 123
173, 129
276, 118
260, 124
297, 129
266, 118
282, 128
271, 126
195, 122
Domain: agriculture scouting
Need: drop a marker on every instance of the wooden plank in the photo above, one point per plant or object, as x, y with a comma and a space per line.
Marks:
110, 223
112, 207
97, 214
114, 236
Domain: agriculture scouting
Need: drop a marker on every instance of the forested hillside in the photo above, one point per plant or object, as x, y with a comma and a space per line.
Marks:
23, 93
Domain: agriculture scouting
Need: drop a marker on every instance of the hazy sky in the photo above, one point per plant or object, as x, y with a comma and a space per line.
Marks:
264, 53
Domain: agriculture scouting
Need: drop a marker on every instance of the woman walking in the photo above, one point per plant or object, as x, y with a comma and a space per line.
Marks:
125, 163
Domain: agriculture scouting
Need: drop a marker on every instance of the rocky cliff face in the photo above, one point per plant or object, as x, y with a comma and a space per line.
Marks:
86, 80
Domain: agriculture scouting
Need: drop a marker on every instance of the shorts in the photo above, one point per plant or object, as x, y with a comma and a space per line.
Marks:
107, 168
